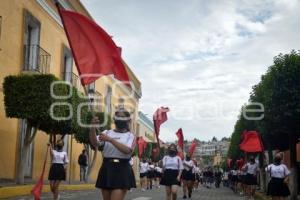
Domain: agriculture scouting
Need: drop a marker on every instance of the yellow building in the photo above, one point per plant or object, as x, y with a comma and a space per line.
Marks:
32, 40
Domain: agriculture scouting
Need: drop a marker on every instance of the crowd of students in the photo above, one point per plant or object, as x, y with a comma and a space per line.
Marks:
116, 175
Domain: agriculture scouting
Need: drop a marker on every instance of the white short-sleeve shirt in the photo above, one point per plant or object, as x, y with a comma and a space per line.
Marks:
252, 168
110, 151
144, 167
188, 165
278, 171
158, 169
172, 163
60, 157
196, 170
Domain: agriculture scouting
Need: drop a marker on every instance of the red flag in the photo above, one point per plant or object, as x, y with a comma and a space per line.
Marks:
142, 145
179, 134
193, 148
180, 154
240, 163
155, 152
94, 51
229, 161
159, 117
37, 189
252, 142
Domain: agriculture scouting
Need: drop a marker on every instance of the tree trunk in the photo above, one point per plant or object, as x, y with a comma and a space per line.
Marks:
24, 150
91, 164
294, 171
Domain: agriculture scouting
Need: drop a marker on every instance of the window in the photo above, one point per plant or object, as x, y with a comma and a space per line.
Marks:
98, 101
31, 42
108, 99
67, 65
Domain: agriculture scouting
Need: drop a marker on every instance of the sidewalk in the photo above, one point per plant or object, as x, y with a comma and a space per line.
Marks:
10, 189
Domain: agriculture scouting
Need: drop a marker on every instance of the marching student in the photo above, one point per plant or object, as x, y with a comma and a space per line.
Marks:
278, 185
144, 166
158, 175
196, 174
115, 177
150, 175
132, 172
251, 169
172, 169
57, 173
187, 176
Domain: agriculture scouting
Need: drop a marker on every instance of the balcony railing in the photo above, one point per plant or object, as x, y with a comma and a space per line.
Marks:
71, 78
36, 59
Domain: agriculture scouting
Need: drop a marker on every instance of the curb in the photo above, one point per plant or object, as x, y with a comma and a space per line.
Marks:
13, 191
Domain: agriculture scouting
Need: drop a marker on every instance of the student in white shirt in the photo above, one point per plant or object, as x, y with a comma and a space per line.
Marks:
196, 174
251, 169
114, 178
187, 176
144, 167
57, 173
278, 185
150, 175
172, 169
158, 175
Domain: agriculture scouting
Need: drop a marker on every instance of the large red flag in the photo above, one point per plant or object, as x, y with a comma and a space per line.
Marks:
94, 51
193, 148
159, 117
142, 145
179, 134
251, 142
37, 189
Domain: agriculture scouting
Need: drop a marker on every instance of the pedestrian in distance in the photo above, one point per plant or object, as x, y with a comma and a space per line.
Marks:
196, 174
57, 173
251, 169
83, 163
150, 175
187, 177
158, 175
172, 169
115, 177
132, 172
144, 167
278, 185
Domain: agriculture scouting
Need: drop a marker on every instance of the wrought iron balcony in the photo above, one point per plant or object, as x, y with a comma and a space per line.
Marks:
36, 59
71, 78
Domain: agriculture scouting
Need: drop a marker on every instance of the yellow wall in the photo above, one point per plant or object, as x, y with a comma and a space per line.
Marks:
52, 40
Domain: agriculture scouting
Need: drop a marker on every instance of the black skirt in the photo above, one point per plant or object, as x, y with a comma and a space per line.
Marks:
187, 175
57, 172
115, 173
142, 175
157, 174
151, 174
278, 188
250, 179
169, 177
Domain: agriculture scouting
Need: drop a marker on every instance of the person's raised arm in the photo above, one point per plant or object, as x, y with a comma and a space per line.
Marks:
92, 135
127, 149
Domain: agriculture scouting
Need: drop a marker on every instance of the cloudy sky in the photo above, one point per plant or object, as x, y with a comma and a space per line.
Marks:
198, 57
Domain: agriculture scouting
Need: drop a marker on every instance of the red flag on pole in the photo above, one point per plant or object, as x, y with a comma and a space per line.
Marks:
37, 189
142, 145
251, 142
240, 163
94, 51
193, 148
179, 135
229, 161
159, 117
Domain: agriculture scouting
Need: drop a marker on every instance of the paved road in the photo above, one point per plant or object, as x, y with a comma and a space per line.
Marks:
155, 194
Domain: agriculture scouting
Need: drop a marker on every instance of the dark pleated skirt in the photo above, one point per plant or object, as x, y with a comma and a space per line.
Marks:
151, 174
57, 172
250, 179
278, 188
116, 175
187, 175
169, 177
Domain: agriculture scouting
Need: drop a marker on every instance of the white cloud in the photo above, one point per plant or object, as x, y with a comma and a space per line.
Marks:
199, 56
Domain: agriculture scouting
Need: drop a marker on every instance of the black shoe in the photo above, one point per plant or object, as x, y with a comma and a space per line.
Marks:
184, 197
190, 195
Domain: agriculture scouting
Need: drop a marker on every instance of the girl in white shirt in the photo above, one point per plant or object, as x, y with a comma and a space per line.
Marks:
57, 173
158, 175
144, 167
172, 168
278, 185
187, 176
151, 175
251, 169
115, 177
